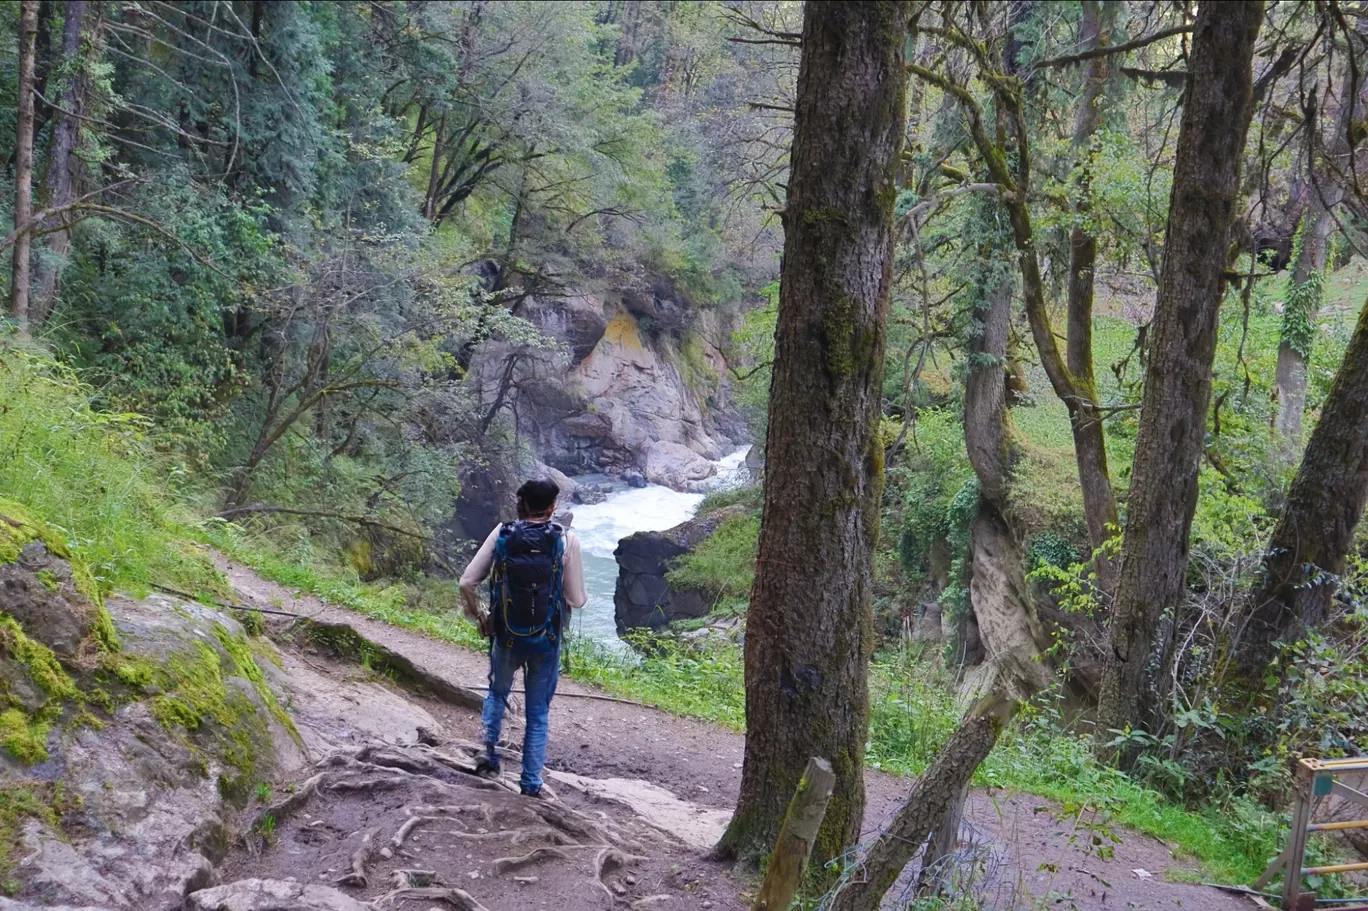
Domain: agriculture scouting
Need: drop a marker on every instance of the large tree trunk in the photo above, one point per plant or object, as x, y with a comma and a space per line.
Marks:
1090, 447
60, 175
23, 166
1168, 449
1309, 546
810, 628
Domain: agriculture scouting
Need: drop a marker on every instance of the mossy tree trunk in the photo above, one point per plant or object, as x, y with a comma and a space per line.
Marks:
1006, 152
1310, 544
1090, 447
60, 175
997, 586
810, 627
1310, 253
23, 166
1168, 450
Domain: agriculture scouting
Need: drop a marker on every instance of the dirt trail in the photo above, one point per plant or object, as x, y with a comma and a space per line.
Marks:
1020, 851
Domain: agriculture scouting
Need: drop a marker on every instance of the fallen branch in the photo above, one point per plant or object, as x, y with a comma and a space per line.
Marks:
243, 607
640, 705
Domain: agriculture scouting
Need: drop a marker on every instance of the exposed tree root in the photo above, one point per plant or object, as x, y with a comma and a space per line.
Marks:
288, 806
457, 898
409, 825
412, 879
535, 856
360, 857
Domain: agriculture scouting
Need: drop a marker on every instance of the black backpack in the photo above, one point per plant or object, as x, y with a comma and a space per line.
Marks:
525, 590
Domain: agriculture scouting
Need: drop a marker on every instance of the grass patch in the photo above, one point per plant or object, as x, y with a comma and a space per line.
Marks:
93, 479
703, 679
722, 565
388, 603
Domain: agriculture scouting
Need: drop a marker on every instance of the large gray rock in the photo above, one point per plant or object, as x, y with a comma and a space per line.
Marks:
677, 467
272, 895
644, 599
147, 789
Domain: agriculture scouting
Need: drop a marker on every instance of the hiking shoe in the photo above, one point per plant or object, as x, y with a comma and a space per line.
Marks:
488, 767
534, 793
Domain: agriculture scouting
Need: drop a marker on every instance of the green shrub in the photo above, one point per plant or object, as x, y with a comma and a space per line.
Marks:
722, 565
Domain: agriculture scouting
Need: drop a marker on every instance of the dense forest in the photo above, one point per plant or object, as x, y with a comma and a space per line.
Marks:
1044, 323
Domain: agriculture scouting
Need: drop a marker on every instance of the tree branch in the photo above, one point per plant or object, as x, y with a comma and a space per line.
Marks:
1068, 59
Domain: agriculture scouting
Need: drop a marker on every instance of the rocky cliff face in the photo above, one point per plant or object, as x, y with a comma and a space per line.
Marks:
632, 370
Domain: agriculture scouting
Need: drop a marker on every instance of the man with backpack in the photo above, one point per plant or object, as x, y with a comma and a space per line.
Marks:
535, 580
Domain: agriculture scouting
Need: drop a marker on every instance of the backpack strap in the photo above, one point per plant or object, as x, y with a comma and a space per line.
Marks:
498, 578
558, 581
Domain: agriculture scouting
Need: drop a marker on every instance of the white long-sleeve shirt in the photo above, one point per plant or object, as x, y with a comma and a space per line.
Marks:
572, 583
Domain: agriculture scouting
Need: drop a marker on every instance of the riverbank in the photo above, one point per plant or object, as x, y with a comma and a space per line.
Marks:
627, 510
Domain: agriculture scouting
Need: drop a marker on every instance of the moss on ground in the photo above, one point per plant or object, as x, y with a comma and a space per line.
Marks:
24, 737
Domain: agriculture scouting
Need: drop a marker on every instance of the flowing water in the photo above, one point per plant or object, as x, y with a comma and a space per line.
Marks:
625, 512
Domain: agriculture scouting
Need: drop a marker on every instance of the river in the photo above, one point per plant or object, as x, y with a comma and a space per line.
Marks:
627, 511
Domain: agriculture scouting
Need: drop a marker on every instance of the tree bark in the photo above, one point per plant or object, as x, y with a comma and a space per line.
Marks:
23, 166
997, 586
1090, 447
1310, 544
60, 175
1294, 352
810, 628
1168, 449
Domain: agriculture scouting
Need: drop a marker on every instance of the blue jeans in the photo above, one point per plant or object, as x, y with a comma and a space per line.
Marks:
541, 670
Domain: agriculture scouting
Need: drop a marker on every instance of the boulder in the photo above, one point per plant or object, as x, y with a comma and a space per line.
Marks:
755, 462
644, 599
189, 727
677, 467
272, 895
634, 479
567, 484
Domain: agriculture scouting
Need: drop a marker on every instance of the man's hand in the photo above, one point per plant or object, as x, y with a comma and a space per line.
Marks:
486, 628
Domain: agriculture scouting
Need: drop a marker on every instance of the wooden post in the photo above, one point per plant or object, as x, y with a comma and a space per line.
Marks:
794, 845
1301, 817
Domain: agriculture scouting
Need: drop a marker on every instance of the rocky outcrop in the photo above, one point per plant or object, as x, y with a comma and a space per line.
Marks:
644, 599
272, 895
677, 467
632, 369
189, 727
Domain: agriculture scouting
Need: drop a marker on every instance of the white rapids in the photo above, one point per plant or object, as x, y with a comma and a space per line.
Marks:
625, 512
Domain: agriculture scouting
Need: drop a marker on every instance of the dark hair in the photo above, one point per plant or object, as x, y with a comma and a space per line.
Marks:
538, 495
